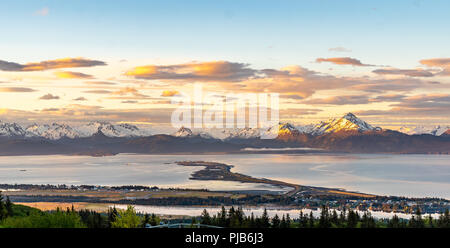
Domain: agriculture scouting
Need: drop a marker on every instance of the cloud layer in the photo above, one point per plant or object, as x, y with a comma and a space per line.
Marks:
49, 64
206, 71
342, 61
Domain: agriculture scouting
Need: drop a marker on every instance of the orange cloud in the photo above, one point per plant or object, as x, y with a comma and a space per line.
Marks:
16, 89
126, 91
206, 71
443, 63
72, 75
49, 64
342, 61
168, 93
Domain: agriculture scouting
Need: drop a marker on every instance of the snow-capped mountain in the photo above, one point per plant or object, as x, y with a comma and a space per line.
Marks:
219, 133
183, 132
11, 129
446, 133
110, 130
282, 129
348, 122
57, 131
54, 131
436, 130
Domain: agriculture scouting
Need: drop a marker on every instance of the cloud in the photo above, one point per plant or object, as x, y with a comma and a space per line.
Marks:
339, 100
388, 98
42, 12
407, 72
205, 71
128, 91
99, 83
129, 101
290, 81
443, 63
168, 93
16, 89
98, 91
339, 49
424, 105
384, 85
83, 113
342, 61
438, 62
297, 112
80, 99
49, 97
50, 64
72, 75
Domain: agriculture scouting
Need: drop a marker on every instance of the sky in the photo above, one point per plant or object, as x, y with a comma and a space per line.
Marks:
121, 61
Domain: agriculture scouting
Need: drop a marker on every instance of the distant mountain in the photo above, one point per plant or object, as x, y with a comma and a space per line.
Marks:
110, 130
57, 131
11, 129
416, 130
348, 122
53, 132
446, 133
183, 132
346, 134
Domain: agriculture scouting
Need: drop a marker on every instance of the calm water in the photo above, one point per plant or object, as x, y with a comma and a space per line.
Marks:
404, 175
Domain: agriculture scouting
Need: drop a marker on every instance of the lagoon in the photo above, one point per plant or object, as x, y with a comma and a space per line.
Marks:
383, 174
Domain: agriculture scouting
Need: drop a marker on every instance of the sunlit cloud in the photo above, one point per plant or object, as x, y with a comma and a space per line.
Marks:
169, 93
48, 97
339, 49
16, 89
405, 72
72, 75
98, 91
443, 63
424, 105
80, 99
342, 61
50, 64
339, 100
99, 83
128, 91
205, 71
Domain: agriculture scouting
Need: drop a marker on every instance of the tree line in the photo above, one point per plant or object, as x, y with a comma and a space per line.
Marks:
13, 215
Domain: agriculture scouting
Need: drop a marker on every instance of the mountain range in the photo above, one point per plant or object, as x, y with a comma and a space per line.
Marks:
345, 134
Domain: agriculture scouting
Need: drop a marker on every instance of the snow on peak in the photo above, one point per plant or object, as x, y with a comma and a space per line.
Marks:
11, 129
436, 130
54, 131
348, 122
183, 132
110, 130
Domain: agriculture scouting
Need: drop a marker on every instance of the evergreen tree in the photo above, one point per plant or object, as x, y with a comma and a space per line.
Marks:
334, 218
324, 220
276, 221
265, 223
352, 219
394, 222
223, 217
8, 206
3, 211
205, 218
311, 220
